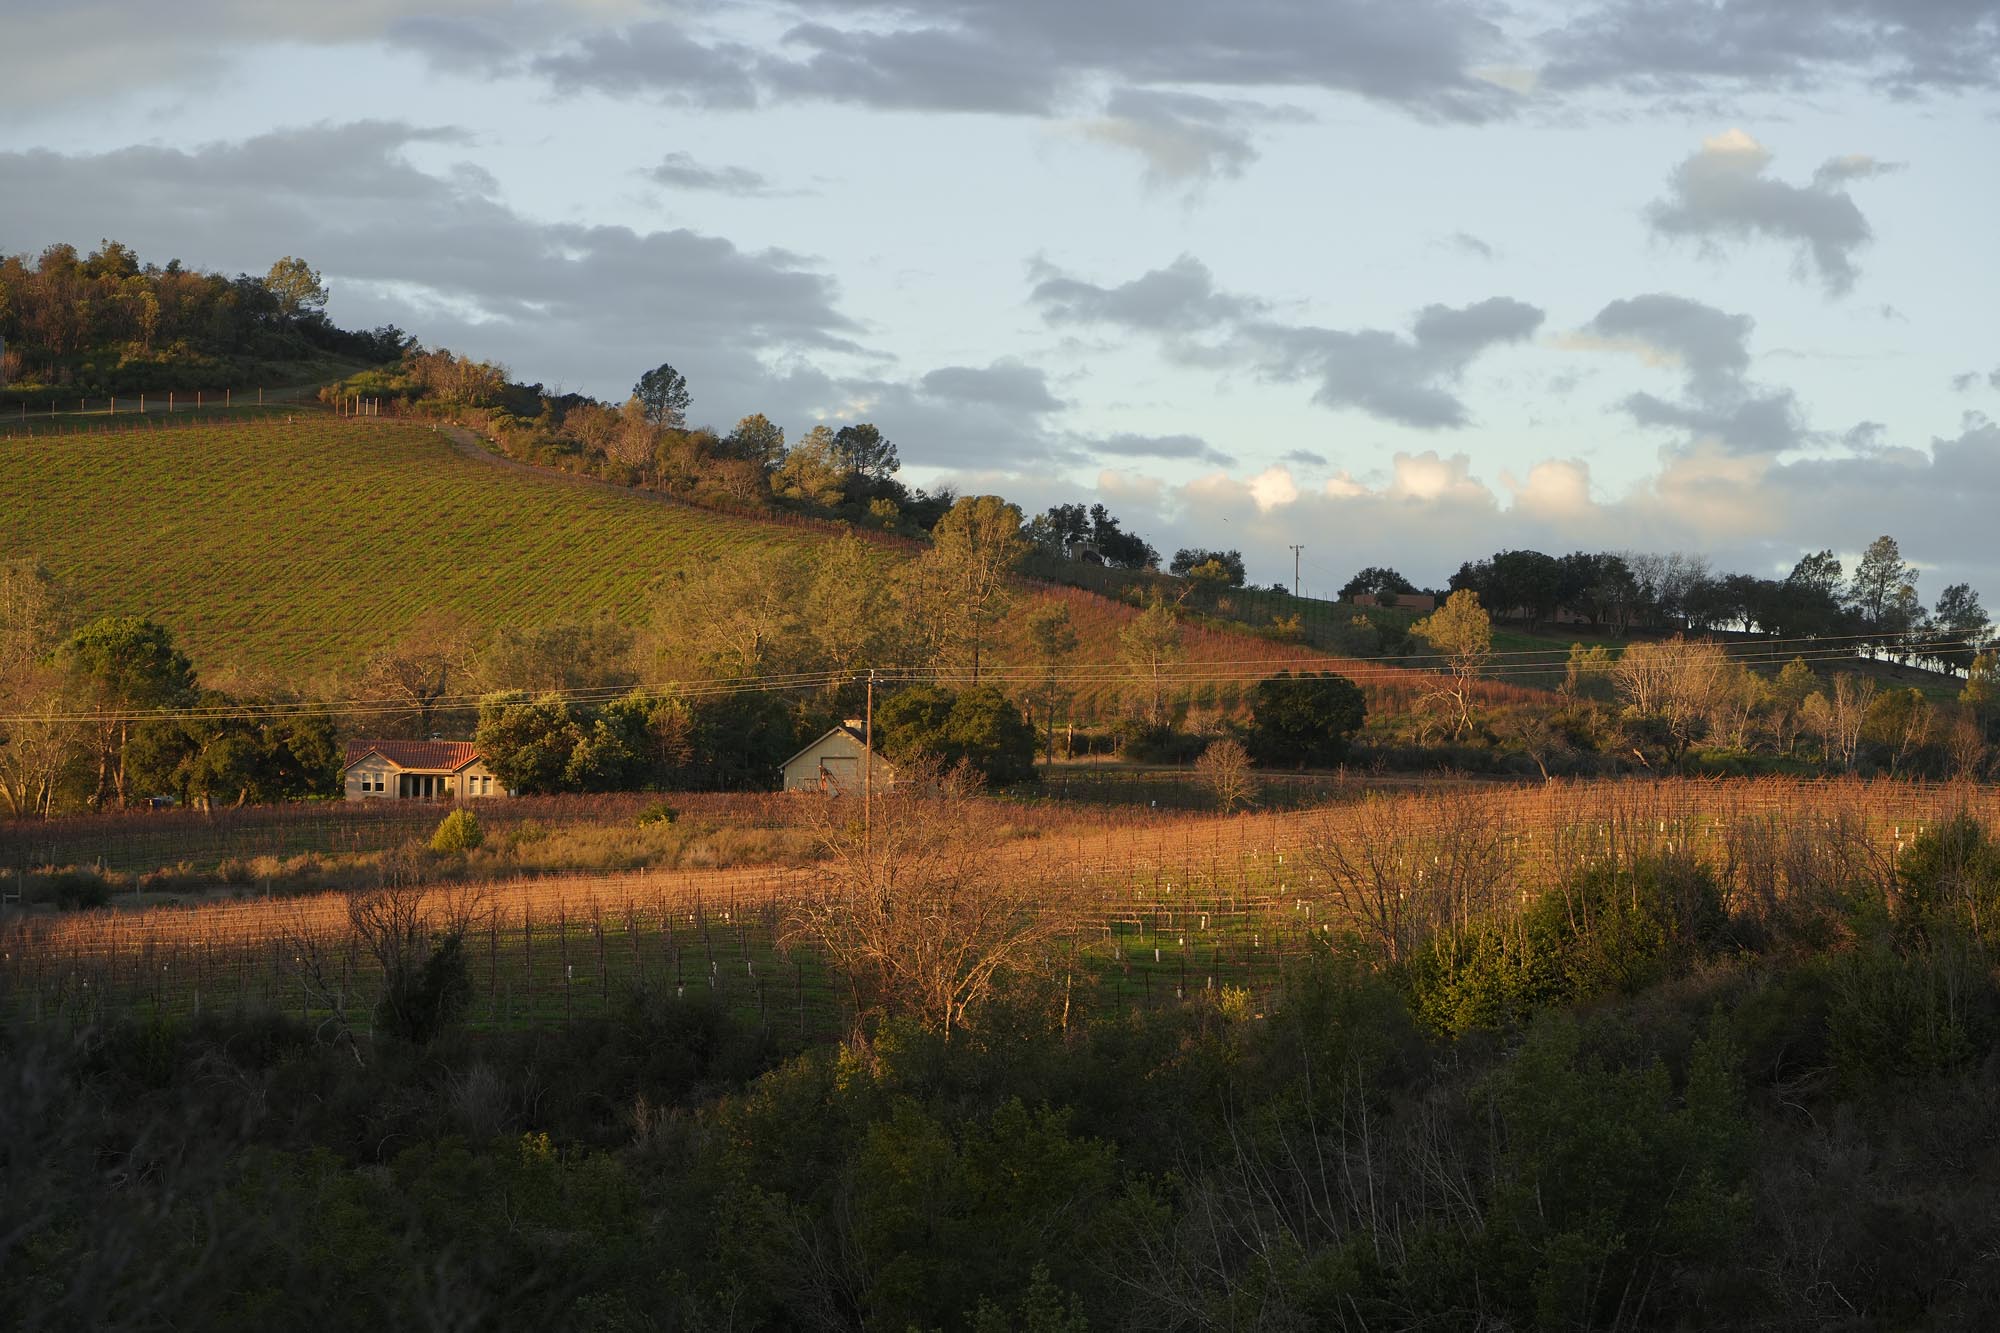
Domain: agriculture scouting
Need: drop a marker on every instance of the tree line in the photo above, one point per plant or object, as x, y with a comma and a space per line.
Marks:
107, 323
1659, 701
1876, 607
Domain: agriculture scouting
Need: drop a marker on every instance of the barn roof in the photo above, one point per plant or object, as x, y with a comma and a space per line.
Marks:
850, 732
437, 756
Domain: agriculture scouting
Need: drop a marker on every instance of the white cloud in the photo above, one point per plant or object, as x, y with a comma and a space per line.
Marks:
1273, 487
1554, 489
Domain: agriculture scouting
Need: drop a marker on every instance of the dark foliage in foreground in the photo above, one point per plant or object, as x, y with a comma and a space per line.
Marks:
1662, 1115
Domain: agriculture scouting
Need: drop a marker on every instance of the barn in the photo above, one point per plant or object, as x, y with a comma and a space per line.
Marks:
834, 763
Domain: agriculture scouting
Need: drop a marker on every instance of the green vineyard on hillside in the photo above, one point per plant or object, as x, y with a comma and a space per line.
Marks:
304, 547
301, 546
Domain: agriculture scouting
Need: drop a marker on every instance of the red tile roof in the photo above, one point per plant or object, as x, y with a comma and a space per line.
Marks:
445, 756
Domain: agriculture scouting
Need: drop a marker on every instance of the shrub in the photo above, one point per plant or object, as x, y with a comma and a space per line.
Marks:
659, 812
1155, 743
1950, 875
181, 877
418, 1004
457, 832
1919, 1014
1605, 1173
73, 889
1609, 931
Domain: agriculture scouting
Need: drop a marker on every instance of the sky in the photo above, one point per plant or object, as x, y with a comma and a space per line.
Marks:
1404, 282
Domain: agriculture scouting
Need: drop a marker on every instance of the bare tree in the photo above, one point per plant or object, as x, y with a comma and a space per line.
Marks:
1224, 768
1539, 738
421, 669
39, 739
917, 913
1682, 684
1965, 746
1409, 875
321, 960
1852, 696
415, 936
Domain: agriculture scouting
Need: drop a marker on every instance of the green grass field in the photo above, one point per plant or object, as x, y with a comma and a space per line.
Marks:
303, 547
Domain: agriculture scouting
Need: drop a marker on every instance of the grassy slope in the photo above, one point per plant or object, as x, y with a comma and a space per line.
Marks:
300, 547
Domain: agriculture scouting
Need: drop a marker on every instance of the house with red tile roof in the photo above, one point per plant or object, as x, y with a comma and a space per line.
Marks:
417, 771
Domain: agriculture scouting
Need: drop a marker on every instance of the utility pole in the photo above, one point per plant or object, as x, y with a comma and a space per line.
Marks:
1295, 569
868, 774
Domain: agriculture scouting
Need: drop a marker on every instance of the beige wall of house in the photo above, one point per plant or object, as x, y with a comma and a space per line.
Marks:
834, 762
375, 778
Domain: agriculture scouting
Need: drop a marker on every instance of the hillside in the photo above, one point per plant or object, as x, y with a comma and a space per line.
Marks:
300, 546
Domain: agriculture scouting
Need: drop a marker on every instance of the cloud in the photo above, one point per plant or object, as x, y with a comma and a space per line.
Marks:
1183, 137
1647, 47
1188, 448
195, 41
1967, 381
1466, 243
1722, 193
1406, 378
1440, 61
1557, 489
923, 68
1712, 350
1402, 378
1180, 298
1004, 384
1029, 56
1303, 457
657, 60
1748, 513
680, 171
1711, 345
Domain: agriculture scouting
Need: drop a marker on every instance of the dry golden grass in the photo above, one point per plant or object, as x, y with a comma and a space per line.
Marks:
1761, 836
